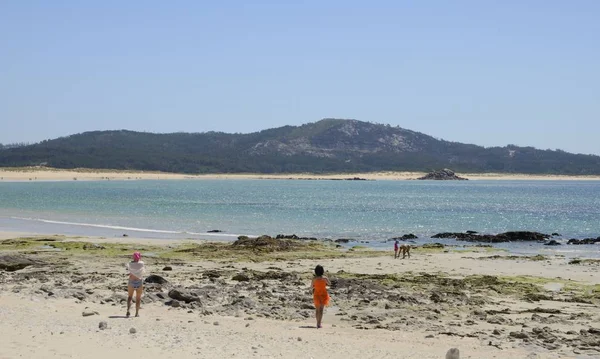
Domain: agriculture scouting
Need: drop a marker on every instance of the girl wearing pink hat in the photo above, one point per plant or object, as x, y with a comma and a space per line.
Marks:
136, 271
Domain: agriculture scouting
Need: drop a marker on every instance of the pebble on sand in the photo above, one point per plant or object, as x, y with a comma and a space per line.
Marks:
132, 331
87, 313
453, 354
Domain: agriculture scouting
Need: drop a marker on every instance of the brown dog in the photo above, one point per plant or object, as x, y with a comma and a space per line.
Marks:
404, 249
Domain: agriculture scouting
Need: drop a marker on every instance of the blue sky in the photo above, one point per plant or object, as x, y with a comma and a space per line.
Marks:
484, 72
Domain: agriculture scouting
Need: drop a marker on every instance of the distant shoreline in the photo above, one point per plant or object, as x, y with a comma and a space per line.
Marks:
10, 174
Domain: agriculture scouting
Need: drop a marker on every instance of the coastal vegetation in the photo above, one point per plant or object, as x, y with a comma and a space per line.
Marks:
329, 145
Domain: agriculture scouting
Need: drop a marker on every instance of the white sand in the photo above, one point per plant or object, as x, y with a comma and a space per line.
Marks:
51, 174
53, 328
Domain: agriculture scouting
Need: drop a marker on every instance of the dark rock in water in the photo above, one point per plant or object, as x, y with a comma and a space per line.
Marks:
442, 175
155, 279
555, 234
183, 295
11, 263
515, 236
214, 231
405, 237
344, 240
287, 236
167, 268
472, 232
523, 236
552, 243
584, 241
125, 235
355, 179
293, 236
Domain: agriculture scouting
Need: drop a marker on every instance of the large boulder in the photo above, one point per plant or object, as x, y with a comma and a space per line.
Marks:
11, 263
552, 243
183, 295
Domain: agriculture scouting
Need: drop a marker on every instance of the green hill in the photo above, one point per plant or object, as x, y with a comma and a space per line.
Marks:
329, 145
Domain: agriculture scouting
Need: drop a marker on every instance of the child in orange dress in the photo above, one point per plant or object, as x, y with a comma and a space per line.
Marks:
320, 295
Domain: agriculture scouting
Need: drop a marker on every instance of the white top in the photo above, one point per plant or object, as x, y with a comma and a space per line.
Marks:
136, 268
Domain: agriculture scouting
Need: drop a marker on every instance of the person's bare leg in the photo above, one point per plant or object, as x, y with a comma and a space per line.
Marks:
138, 300
319, 316
129, 298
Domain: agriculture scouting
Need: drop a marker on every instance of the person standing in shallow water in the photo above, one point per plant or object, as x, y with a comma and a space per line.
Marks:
136, 270
320, 295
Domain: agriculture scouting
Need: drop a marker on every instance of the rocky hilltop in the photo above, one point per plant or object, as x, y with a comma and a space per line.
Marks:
329, 145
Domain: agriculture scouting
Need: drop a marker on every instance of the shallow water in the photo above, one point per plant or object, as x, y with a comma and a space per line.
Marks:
370, 211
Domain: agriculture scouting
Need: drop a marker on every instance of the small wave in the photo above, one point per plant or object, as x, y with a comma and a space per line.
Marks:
106, 226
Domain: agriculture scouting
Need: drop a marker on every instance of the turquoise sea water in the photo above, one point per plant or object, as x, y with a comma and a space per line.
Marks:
370, 211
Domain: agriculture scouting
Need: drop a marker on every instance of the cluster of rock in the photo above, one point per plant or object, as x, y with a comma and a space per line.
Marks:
264, 243
513, 236
584, 241
404, 237
442, 175
295, 237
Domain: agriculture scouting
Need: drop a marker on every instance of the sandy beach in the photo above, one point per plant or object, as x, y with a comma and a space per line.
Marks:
83, 174
251, 299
